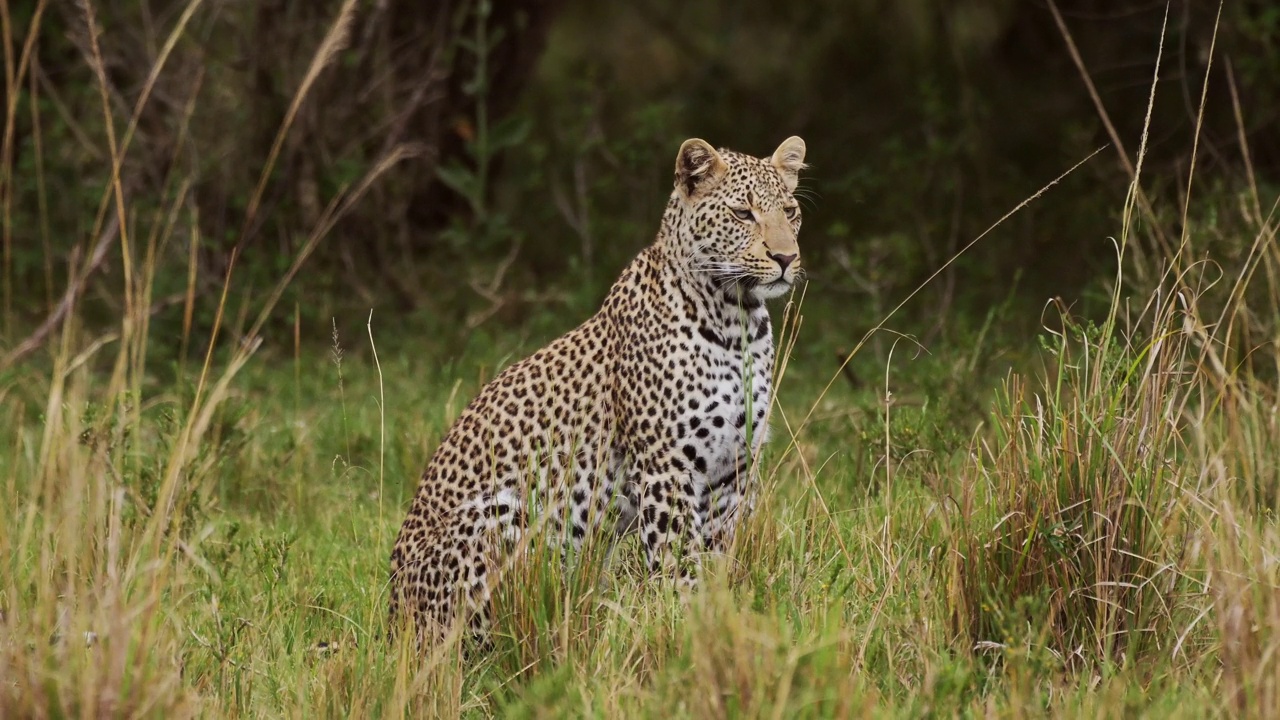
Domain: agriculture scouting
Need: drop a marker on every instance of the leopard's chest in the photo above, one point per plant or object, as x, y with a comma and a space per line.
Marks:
724, 413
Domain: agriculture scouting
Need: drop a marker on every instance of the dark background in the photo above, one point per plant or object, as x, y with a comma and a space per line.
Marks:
536, 138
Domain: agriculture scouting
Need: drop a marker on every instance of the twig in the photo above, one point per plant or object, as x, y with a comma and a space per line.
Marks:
1143, 201
492, 291
74, 288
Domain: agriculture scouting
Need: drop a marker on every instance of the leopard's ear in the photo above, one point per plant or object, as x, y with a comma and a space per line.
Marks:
698, 168
789, 161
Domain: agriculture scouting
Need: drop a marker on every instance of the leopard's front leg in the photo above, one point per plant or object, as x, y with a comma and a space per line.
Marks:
722, 504
670, 528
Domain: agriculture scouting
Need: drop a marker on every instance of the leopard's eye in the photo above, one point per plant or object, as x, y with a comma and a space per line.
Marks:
791, 212
743, 214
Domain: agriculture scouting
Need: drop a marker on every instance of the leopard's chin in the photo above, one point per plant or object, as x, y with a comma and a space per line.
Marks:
770, 290
756, 289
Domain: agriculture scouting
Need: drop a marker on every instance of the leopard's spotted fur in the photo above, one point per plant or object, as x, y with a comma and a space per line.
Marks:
645, 416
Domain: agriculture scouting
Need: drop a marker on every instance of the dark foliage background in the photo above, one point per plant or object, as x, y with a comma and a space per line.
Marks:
533, 140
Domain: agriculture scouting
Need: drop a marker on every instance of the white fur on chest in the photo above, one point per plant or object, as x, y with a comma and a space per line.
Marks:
733, 396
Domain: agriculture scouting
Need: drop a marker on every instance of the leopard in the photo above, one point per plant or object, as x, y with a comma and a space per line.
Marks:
643, 420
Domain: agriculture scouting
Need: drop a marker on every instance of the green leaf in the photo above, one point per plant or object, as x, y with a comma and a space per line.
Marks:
460, 179
509, 132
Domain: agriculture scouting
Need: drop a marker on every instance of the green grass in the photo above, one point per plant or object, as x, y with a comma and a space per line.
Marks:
859, 587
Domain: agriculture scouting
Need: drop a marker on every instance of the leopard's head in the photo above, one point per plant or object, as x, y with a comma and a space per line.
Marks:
737, 215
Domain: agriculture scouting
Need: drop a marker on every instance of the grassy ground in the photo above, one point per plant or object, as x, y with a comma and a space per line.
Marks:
1092, 539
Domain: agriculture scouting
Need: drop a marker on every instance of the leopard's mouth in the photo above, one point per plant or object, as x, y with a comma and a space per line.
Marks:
784, 279
757, 286
779, 286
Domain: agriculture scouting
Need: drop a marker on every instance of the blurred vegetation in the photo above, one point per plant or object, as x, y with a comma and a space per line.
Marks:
929, 120
530, 141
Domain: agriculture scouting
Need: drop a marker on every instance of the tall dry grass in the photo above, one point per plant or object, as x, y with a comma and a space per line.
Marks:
101, 531
1120, 515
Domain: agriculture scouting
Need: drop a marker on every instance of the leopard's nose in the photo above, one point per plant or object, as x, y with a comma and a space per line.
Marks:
783, 260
